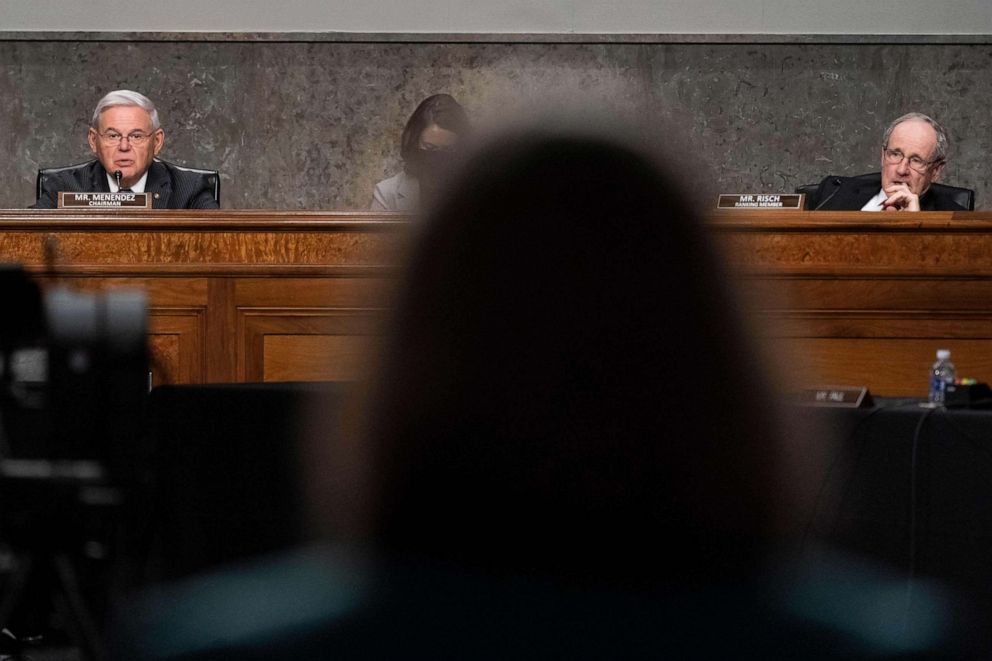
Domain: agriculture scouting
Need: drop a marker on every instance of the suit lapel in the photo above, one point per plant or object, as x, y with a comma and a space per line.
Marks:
854, 193
158, 185
98, 179
407, 193
928, 202
865, 192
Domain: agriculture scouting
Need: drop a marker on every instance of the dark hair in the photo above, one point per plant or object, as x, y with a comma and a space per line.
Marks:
567, 389
439, 109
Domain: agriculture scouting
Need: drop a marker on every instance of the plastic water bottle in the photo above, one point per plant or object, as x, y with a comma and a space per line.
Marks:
941, 374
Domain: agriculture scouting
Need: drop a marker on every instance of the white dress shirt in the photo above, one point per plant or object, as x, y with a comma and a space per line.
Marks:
875, 203
139, 185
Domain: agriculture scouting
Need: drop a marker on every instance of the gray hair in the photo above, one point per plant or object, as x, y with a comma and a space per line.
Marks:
940, 151
125, 98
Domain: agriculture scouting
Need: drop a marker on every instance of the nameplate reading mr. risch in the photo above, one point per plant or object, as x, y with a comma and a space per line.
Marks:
761, 201
118, 200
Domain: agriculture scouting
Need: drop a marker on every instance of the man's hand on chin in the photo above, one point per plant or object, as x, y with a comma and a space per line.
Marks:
900, 198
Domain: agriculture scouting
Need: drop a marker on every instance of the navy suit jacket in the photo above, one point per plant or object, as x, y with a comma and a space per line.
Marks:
852, 193
171, 186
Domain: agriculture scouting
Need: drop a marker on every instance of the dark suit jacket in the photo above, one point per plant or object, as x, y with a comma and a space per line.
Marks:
171, 187
852, 193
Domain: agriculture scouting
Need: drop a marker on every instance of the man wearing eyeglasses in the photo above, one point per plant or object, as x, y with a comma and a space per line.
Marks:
125, 135
914, 152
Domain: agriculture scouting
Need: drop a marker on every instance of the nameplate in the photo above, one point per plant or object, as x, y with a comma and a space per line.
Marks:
105, 200
836, 396
761, 201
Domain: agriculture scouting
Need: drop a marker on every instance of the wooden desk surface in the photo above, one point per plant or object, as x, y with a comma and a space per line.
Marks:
867, 299
235, 295
844, 243
849, 297
199, 241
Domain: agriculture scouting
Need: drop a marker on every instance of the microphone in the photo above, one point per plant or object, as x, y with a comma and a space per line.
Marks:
836, 182
118, 175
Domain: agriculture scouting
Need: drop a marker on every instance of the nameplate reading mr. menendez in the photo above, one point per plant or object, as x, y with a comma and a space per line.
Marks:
104, 200
761, 201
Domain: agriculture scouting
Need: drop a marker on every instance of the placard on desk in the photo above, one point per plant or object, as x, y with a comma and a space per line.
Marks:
761, 201
837, 396
97, 200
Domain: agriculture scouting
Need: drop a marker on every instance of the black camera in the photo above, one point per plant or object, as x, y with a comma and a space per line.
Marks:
73, 381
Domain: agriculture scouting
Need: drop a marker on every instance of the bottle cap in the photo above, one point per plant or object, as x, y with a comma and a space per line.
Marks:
943, 354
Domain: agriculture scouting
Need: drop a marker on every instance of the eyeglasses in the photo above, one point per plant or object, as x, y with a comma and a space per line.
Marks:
135, 138
893, 156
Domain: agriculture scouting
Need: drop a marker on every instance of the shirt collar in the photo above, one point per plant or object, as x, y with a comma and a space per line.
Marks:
875, 203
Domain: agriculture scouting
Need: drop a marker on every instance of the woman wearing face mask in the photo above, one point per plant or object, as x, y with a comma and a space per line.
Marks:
433, 131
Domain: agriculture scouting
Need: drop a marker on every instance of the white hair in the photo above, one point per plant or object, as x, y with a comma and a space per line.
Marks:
939, 151
125, 98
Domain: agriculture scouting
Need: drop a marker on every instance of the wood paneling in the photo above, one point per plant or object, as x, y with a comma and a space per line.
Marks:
895, 365
176, 343
866, 299
281, 344
212, 243
314, 357
234, 296
261, 295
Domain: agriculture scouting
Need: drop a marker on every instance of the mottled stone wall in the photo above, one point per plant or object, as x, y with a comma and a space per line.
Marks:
313, 125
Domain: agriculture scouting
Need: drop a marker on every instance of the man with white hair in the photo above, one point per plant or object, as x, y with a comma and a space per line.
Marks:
126, 136
914, 153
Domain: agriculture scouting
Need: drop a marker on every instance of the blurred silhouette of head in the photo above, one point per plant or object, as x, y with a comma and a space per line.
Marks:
567, 392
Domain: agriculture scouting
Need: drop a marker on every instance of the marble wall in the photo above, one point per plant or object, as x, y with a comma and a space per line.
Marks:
314, 124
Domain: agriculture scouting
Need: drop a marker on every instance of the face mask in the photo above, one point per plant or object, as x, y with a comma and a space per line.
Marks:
426, 164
